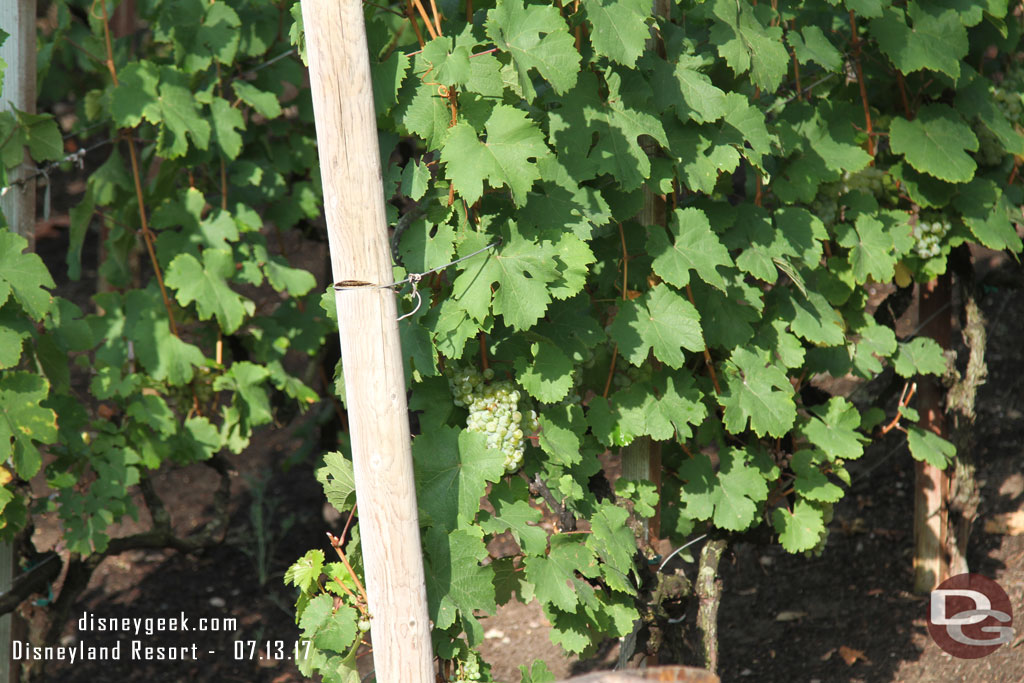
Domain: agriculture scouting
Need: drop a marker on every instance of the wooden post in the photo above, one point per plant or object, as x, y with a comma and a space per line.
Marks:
18, 19
931, 565
346, 127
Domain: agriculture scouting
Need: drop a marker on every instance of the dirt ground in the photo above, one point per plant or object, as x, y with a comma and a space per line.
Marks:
845, 616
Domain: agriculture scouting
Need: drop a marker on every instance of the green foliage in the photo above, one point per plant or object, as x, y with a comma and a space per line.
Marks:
673, 242
697, 325
141, 374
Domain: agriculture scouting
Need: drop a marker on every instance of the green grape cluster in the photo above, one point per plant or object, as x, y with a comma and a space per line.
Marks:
497, 410
870, 179
469, 669
1008, 98
928, 235
623, 379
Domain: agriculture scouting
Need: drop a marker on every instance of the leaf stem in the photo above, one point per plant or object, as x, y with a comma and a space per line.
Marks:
147, 235
855, 40
415, 27
707, 354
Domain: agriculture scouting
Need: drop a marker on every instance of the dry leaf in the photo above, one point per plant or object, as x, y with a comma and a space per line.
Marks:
850, 656
790, 615
875, 591
1008, 524
828, 655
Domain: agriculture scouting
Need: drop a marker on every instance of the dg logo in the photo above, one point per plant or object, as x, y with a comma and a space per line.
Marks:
970, 616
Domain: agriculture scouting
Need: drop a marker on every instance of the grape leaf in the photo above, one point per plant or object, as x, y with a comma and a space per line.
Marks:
812, 45
452, 470
521, 268
305, 572
504, 159
513, 513
936, 40
702, 153
871, 249
986, 211
757, 391
695, 247
516, 28
618, 28
811, 482
200, 32
664, 410
936, 143
745, 44
929, 447
749, 122
833, 429
612, 540
338, 479
456, 582
740, 487
538, 673
554, 575
706, 101
661, 321
730, 496
164, 355
549, 377
562, 427
619, 120
876, 341
265, 103
206, 285
24, 275
329, 628
919, 356
800, 529
250, 399
24, 422
227, 121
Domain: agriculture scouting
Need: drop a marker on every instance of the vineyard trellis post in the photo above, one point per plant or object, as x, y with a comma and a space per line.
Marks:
18, 20
346, 129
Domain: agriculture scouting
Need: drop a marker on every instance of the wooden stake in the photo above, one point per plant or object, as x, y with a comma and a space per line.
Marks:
18, 19
931, 566
346, 126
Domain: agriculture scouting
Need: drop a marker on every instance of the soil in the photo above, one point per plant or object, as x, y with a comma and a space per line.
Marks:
845, 616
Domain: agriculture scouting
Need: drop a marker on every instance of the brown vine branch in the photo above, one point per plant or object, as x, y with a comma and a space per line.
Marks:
855, 40
903, 402
415, 26
908, 112
709, 595
707, 354
566, 522
147, 235
336, 544
625, 289
437, 17
796, 70
426, 18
